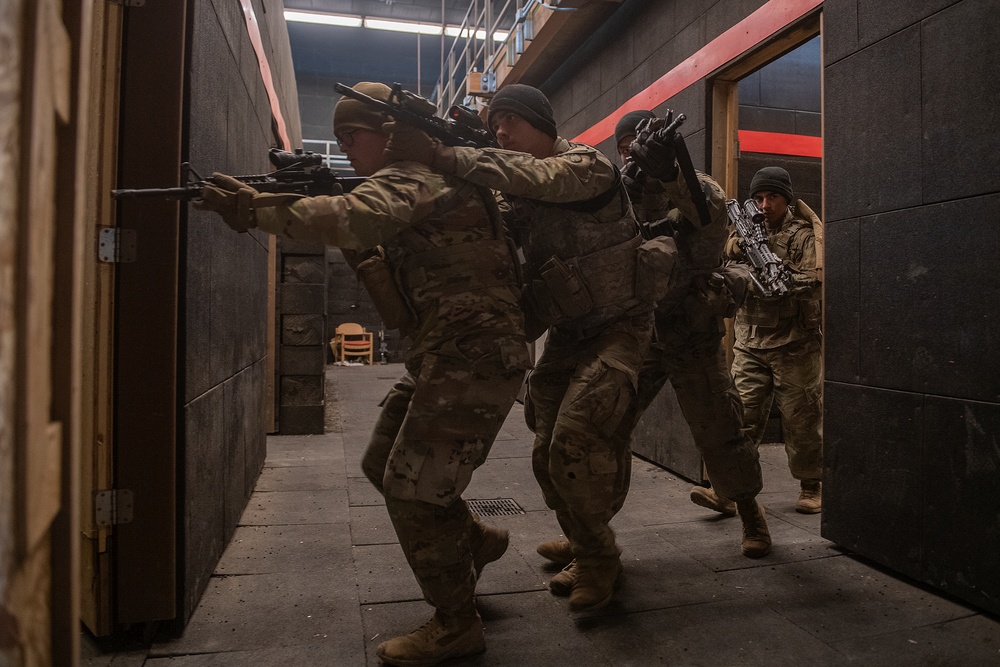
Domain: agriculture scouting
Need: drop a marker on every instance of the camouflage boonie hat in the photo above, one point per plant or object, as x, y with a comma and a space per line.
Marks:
350, 114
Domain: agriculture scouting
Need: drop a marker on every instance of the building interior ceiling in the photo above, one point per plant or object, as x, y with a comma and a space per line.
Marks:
425, 11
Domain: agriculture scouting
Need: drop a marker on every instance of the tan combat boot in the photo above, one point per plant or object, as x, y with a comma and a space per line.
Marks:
557, 551
756, 538
810, 498
438, 639
595, 583
709, 499
488, 545
561, 583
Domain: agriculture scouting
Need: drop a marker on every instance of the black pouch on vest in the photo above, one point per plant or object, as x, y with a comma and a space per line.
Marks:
566, 289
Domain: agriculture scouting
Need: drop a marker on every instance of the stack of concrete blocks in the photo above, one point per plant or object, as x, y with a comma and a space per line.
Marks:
302, 337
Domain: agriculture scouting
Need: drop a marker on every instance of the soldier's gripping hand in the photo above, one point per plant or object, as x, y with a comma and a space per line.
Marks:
230, 198
409, 144
237, 202
653, 147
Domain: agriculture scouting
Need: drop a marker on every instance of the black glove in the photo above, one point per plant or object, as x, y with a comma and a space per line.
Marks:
653, 147
634, 180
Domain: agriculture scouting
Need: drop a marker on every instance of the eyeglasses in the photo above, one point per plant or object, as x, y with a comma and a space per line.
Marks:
347, 138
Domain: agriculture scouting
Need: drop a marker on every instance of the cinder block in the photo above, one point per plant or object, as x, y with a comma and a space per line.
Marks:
302, 360
302, 298
303, 329
300, 419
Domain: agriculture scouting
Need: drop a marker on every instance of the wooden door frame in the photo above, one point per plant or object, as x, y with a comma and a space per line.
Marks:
147, 301
723, 93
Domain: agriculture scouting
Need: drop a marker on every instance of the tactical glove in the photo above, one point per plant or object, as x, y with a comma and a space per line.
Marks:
230, 198
409, 144
634, 180
237, 202
653, 147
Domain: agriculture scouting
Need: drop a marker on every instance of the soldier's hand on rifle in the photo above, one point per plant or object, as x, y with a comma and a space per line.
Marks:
653, 147
230, 198
409, 144
237, 202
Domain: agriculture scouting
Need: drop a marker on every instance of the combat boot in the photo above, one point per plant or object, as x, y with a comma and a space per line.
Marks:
557, 551
709, 499
488, 545
810, 498
561, 583
594, 583
438, 639
756, 538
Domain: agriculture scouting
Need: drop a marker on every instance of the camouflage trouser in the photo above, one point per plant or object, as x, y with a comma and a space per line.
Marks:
436, 427
695, 364
792, 376
581, 393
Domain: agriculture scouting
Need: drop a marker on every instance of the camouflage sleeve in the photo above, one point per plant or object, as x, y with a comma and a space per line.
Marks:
680, 195
576, 174
390, 201
802, 262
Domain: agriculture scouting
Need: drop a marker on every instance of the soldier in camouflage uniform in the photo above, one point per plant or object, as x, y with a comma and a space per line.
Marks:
571, 216
688, 349
777, 352
455, 274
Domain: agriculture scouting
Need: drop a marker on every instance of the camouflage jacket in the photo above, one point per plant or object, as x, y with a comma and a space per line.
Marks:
571, 206
447, 252
767, 323
700, 248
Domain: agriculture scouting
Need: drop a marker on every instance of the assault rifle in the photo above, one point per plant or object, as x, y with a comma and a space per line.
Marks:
463, 127
769, 273
301, 172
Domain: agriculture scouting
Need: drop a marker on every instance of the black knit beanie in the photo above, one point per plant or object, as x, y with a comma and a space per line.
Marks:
528, 103
772, 179
626, 126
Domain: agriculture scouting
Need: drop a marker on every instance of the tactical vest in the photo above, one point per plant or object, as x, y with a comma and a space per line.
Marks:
770, 312
583, 259
411, 273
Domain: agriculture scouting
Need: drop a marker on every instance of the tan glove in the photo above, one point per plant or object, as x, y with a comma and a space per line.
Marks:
409, 144
230, 198
237, 202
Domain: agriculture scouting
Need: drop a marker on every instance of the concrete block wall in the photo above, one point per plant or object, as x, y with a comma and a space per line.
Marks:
224, 284
912, 396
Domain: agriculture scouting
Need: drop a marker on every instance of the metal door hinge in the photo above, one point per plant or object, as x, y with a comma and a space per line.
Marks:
113, 507
116, 245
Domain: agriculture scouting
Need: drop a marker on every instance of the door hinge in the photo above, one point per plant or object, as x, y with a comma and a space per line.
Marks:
116, 245
113, 507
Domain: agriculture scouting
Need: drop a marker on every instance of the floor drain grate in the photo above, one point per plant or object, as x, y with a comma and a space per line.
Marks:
494, 507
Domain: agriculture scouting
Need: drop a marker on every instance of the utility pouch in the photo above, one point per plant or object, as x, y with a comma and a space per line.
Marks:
655, 262
566, 292
377, 277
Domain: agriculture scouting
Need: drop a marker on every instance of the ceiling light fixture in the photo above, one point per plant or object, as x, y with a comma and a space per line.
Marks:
324, 19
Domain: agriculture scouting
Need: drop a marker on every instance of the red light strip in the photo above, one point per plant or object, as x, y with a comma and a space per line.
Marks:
770, 18
777, 143
253, 29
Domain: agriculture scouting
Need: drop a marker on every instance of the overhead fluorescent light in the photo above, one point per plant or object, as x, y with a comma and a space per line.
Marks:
403, 26
455, 31
325, 19
382, 24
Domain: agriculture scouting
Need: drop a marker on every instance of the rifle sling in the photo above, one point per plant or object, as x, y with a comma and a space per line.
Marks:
691, 178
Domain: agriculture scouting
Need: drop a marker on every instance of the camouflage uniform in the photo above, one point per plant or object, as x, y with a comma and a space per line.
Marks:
571, 206
690, 325
778, 356
466, 364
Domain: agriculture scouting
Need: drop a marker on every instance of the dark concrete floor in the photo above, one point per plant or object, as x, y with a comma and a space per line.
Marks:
314, 575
